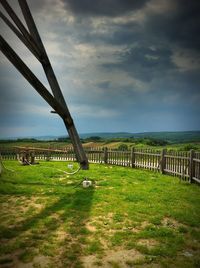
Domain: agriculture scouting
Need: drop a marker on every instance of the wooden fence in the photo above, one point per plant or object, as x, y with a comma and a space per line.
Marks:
185, 165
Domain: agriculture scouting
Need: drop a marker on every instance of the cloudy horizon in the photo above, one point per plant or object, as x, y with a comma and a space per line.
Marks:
123, 66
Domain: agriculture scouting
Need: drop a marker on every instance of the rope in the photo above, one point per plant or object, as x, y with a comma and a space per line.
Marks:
28, 163
68, 173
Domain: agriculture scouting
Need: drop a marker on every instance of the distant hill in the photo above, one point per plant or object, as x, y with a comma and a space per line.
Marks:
107, 135
171, 137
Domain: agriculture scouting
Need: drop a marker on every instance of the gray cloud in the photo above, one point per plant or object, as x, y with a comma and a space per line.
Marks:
109, 8
145, 63
180, 25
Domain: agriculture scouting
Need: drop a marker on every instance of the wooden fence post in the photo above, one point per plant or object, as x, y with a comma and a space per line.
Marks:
32, 158
48, 156
27, 156
191, 166
162, 161
105, 155
132, 157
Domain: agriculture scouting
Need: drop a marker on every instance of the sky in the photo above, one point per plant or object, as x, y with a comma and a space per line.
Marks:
123, 66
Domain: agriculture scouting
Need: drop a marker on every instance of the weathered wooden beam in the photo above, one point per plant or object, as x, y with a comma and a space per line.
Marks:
20, 35
57, 106
20, 26
51, 77
191, 166
45, 60
80, 154
30, 77
38, 149
31, 24
162, 161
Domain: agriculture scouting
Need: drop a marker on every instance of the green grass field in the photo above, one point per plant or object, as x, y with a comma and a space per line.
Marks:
130, 218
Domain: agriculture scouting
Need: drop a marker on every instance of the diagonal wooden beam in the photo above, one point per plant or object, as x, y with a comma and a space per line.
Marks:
20, 36
45, 62
20, 26
33, 41
51, 77
31, 24
30, 77
57, 106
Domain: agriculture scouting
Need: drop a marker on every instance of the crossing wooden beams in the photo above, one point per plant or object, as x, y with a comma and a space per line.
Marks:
31, 39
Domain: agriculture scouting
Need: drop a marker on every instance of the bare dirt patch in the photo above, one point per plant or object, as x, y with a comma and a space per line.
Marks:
149, 243
138, 228
119, 257
89, 261
172, 223
61, 235
90, 227
38, 261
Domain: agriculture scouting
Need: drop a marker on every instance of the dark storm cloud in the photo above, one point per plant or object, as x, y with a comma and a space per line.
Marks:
103, 7
119, 34
180, 25
144, 63
165, 31
177, 25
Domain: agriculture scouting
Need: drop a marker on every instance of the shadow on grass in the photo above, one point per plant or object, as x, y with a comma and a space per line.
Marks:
37, 183
58, 231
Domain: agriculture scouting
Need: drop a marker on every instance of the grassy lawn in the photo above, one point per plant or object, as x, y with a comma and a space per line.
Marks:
130, 218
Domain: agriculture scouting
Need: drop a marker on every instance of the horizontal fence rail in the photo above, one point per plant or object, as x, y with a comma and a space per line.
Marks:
185, 165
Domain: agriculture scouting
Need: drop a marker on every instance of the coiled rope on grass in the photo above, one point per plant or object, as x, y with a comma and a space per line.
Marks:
67, 173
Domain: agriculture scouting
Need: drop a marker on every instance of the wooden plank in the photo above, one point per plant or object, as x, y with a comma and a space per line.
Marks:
24, 40
173, 163
176, 156
195, 179
106, 155
58, 107
80, 154
144, 153
37, 149
191, 165
162, 161
30, 77
176, 173
196, 160
45, 62
20, 26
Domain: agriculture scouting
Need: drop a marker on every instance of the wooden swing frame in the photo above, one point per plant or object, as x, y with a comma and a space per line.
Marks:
31, 39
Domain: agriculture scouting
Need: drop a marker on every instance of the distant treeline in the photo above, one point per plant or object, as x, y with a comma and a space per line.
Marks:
21, 140
149, 138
